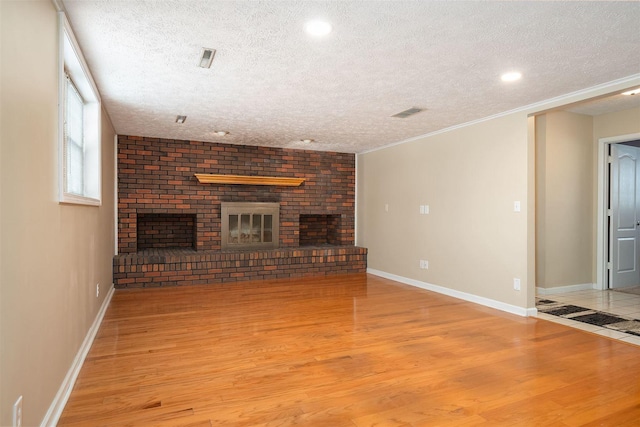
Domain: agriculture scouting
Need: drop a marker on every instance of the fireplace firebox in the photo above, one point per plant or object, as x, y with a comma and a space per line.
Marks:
165, 231
250, 225
319, 230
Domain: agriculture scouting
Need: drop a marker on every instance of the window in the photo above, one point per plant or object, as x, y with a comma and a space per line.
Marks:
74, 139
80, 170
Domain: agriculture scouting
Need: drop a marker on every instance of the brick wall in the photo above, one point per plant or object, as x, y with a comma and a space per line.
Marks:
164, 213
156, 176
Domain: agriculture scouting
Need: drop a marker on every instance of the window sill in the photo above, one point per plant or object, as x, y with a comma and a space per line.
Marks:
74, 199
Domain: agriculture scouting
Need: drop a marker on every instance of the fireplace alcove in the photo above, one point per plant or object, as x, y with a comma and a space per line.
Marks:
319, 230
166, 231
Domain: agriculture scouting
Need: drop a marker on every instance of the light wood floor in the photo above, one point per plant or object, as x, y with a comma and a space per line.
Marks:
351, 350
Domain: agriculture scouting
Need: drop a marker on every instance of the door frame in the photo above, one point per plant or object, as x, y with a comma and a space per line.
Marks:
602, 229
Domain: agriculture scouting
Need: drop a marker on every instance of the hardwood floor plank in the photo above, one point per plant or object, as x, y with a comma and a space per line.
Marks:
352, 350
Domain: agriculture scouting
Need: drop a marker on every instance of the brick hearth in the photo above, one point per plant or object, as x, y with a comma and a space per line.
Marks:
152, 268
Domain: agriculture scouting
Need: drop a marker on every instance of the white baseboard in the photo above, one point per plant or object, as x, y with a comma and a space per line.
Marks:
563, 289
60, 400
513, 309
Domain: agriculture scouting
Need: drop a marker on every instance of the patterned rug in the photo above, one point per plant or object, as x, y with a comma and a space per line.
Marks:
587, 315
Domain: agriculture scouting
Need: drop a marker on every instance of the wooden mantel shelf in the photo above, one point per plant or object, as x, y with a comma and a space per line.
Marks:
205, 178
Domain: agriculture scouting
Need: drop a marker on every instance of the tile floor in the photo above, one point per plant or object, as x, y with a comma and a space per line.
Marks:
610, 302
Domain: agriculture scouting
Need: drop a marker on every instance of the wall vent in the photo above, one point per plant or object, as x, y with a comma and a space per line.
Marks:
206, 57
407, 113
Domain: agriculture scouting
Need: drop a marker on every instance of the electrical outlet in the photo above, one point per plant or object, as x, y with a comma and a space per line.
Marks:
516, 284
424, 264
17, 413
386, 207
97, 290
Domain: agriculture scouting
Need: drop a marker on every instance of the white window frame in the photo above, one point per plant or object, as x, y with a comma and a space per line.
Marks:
72, 64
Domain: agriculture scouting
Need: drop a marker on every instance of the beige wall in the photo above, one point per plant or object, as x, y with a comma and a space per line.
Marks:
470, 178
52, 255
615, 124
564, 199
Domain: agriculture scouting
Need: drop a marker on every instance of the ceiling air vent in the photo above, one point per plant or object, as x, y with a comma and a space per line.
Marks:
407, 113
206, 58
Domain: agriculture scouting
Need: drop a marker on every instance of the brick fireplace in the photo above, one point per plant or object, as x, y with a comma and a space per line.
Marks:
170, 227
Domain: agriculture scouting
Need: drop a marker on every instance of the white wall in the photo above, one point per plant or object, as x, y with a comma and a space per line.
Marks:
52, 255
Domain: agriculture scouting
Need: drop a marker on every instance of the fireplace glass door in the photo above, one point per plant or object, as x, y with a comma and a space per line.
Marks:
250, 225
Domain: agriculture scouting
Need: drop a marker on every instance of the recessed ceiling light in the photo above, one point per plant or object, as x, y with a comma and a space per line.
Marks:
221, 132
307, 141
206, 57
181, 119
511, 76
632, 92
318, 28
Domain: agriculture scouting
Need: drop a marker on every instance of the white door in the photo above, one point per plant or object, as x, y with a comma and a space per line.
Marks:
625, 216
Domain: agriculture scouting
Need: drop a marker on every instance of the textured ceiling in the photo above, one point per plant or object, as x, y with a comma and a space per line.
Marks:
271, 84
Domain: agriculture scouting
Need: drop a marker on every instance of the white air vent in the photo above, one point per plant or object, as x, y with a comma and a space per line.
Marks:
410, 112
206, 58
